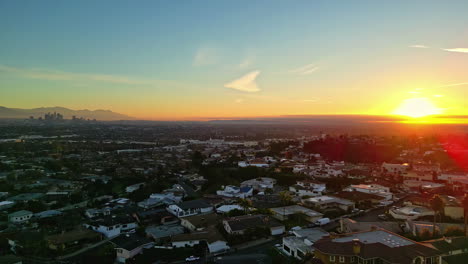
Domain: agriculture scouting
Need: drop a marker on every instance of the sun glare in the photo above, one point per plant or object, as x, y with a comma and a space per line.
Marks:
417, 107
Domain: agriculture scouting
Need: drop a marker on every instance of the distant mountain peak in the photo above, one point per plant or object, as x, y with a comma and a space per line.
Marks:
99, 114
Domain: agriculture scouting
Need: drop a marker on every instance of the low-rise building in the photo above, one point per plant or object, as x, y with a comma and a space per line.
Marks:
239, 224
259, 184
214, 240
301, 244
237, 192
112, 226
329, 202
372, 189
375, 246
285, 212
20, 216
128, 246
308, 188
189, 208
199, 222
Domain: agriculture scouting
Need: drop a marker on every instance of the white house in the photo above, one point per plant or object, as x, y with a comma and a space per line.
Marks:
215, 241
227, 208
259, 184
188, 208
372, 189
308, 188
112, 226
20, 216
134, 187
302, 242
234, 191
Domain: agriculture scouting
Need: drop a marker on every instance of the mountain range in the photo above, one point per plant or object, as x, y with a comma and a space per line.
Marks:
67, 113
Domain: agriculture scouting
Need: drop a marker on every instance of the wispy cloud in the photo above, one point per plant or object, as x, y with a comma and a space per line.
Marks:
461, 50
246, 83
454, 84
239, 101
55, 75
205, 56
417, 46
304, 70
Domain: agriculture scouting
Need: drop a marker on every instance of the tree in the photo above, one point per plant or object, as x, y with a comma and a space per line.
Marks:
437, 204
285, 197
465, 211
246, 204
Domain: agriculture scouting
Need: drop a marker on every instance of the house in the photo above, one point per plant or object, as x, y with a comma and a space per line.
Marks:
26, 197
259, 184
348, 225
374, 246
112, 226
93, 212
239, 224
234, 191
372, 189
134, 187
192, 207
212, 237
47, 214
6, 204
227, 208
449, 246
361, 199
285, 212
71, 238
158, 216
301, 244
199, 222
410, 212
164, 232
308, 188
259, 163
20, 216
128, 246
329, 202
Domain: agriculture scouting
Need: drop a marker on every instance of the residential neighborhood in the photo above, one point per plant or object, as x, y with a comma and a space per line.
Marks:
120, 198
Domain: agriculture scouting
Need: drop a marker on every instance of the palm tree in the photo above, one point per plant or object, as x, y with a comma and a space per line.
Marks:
246, 204
285, 197
437, 204
465, 210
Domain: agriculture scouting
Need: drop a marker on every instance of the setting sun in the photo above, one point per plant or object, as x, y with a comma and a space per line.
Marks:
417, 107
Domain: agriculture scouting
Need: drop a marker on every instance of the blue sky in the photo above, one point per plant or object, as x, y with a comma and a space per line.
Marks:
157, 59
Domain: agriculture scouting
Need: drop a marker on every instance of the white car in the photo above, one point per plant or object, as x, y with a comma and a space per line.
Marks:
192, 258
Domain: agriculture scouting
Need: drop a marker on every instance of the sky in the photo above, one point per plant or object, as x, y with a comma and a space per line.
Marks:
185, 60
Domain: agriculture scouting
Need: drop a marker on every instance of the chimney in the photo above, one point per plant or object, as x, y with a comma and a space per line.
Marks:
356, 246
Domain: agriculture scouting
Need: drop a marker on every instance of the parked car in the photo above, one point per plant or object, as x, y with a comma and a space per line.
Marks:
322, 221
192, 258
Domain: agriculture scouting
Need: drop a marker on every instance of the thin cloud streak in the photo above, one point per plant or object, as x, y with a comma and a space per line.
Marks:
246, 83
54, 75
419, 46
304, 70
454, 84
460, 50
